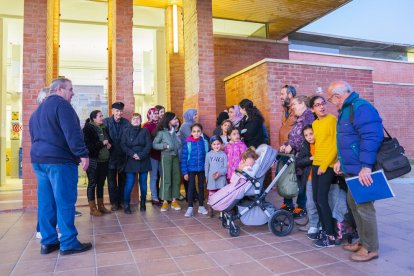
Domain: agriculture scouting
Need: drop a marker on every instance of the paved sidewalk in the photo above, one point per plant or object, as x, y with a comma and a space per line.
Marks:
155, 243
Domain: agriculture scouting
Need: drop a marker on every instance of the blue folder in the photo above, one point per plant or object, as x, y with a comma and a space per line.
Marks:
379, 189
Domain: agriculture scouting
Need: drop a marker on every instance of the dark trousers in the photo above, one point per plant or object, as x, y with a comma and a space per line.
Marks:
116, 184
192, 188
96, 180
321, 185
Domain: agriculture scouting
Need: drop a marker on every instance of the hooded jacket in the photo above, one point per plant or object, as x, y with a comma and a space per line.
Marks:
185, 130
193, 155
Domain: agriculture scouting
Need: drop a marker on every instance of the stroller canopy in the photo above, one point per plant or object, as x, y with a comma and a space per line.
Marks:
267, 156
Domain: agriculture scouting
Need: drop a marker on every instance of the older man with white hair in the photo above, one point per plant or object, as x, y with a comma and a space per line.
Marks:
359, 136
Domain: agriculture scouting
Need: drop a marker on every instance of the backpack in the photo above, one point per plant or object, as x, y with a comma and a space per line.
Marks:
390, 156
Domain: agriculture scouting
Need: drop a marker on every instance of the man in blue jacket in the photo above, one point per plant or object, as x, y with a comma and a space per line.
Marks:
359, 136
57, 149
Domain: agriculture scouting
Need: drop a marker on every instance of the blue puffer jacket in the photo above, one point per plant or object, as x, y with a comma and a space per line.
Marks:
193, 155
358, 141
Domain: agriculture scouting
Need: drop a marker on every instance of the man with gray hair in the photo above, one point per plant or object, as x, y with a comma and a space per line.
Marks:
57, 149
359, 136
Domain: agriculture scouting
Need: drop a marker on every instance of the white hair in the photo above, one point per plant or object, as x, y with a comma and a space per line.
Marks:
342, 88
44, 92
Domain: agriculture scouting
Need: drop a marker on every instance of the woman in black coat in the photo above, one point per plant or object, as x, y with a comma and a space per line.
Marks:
251, 126
98, 143
136, 143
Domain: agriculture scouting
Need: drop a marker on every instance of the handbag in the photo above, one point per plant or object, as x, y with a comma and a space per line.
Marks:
287, 185
391, 158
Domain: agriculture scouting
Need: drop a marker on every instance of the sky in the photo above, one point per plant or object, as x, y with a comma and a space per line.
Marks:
379, 20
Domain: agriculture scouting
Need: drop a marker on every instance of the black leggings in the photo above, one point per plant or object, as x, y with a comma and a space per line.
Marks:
192, 189
321, 185
96, 180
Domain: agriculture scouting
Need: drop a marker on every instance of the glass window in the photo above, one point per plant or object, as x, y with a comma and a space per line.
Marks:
239, 28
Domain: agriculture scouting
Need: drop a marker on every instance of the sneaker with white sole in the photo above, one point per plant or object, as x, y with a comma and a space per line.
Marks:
202, 210
324, 241
39, 235
189, 212
175, 206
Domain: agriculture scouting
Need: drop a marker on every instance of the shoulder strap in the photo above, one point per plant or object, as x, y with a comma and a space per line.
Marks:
189, 151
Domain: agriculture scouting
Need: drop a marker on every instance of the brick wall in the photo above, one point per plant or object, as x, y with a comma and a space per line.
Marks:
234, 54
384, 70
199, 61
34, 78
121, 62
394, 103
262, 85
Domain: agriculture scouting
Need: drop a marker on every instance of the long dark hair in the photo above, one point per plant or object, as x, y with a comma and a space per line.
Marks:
166, 119
92, 116
251, 110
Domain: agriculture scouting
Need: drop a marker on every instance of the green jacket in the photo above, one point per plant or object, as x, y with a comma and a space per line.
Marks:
164, 138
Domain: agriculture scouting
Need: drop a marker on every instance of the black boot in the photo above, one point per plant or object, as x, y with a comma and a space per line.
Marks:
127, 208
142, 206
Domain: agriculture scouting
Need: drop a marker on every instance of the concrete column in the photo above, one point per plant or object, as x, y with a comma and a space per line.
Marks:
199, 61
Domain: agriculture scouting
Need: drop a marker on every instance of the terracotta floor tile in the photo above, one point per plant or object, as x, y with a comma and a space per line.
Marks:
125, 269
270, 238
197, 228
10, 257
291, 247
216, 245
114, 258
340, 269
307, 272
183, 250
135, 227
139, 235
112, 247
215, 271
75, 261
262, 252
170, 241
6, 269
314, 258
34, 267
247, 269
165, 266
186, 221
148, 243
337, 252
282, 264
110, 237
150, 254
90, 271
230, 257
247, 241
170, 231
205, 236
34, 254
195, 262
109, 229
160, 224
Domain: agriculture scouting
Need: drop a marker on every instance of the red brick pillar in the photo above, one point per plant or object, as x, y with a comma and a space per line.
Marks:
34, 78
199, 61
175, 62
120, 63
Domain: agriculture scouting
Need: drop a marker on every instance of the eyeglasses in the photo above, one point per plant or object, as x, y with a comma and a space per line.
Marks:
319, 104
331, 97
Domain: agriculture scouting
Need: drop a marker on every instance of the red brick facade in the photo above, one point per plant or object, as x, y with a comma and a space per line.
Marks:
233, 54
34, 78
262, 84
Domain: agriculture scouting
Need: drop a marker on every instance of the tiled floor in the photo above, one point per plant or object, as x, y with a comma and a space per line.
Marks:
155, 243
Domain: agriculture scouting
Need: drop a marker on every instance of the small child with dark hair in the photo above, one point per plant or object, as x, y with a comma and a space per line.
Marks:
215, 168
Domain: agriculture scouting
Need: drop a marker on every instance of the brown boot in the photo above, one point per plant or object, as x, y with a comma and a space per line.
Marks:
101, 207
94, 211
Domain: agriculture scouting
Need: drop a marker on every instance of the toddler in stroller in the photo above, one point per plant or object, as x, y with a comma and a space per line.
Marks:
245, 199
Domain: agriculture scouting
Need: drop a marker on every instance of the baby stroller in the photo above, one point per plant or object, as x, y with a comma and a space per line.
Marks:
244, 198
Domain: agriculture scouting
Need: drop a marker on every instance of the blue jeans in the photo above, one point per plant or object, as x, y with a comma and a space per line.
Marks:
129, 184
311, 207
153, 178
57, 193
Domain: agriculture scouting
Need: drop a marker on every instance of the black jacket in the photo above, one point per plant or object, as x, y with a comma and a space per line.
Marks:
92, 141
137, 140
117, 158
251, 131
303, 163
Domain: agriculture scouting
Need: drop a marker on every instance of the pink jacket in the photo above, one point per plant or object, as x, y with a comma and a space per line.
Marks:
234, 152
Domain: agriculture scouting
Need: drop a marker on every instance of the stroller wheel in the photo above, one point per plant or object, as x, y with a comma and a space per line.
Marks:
234, 231
224, 221
281, 223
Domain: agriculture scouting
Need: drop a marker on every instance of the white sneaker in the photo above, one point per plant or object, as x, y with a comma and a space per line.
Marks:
202, 210
313, 230
189, 212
